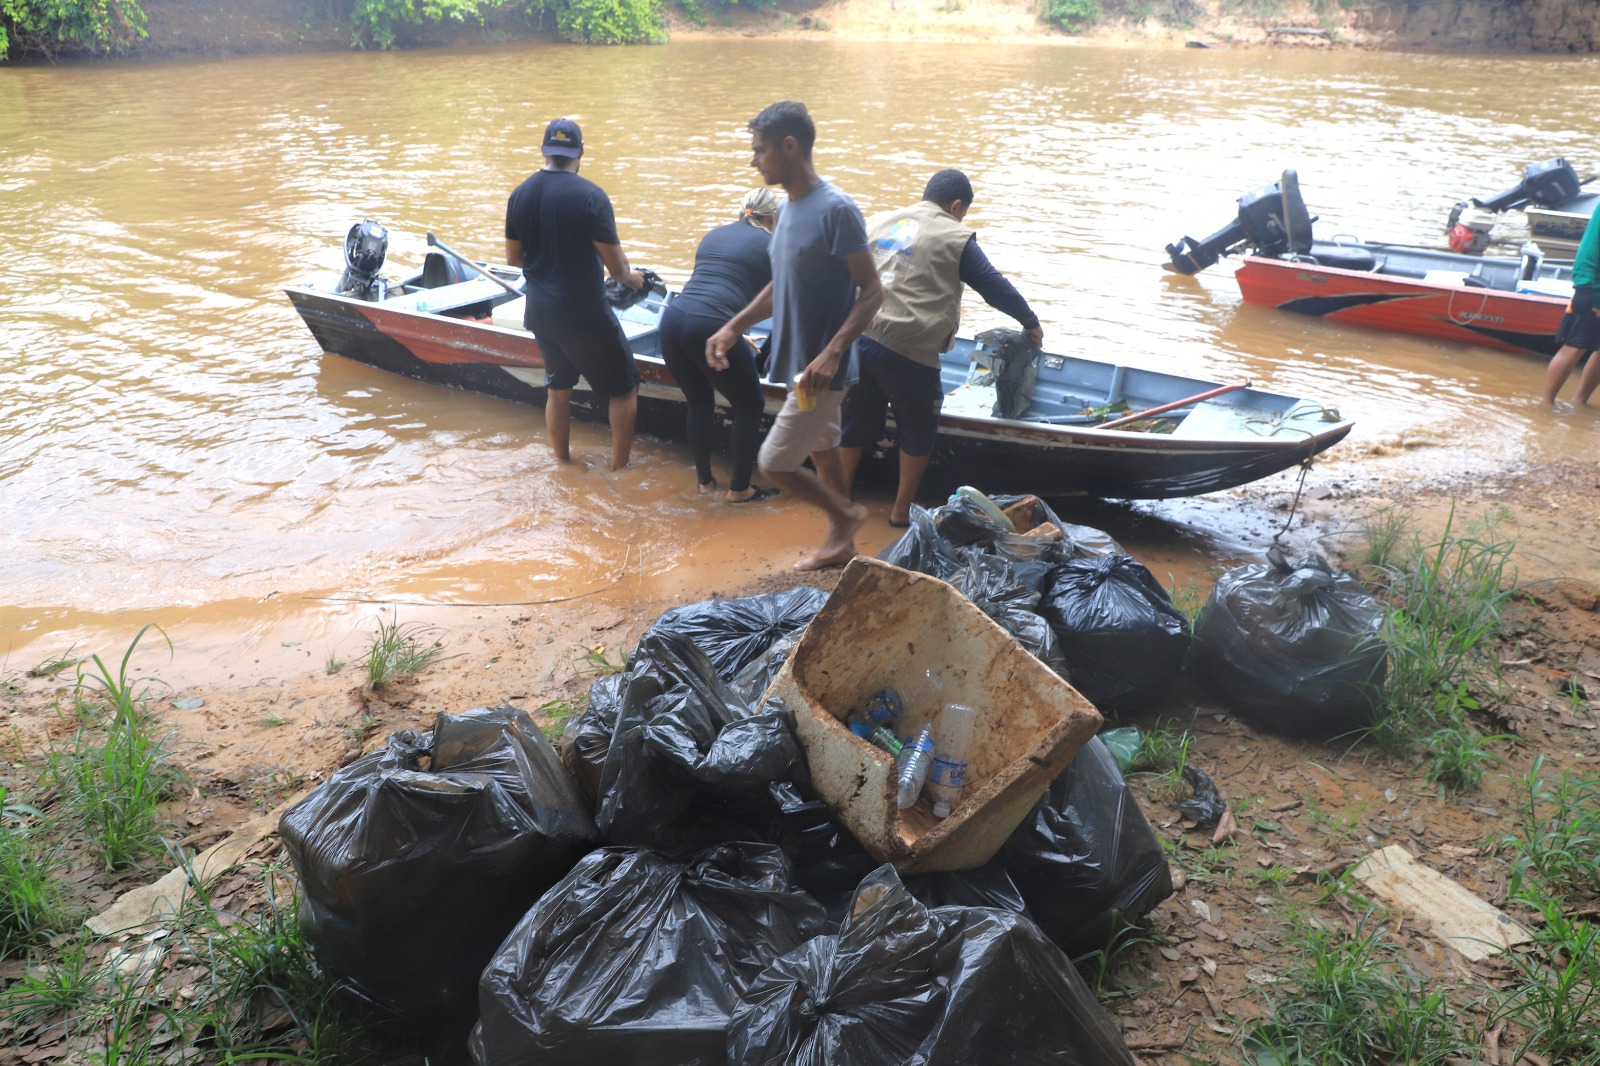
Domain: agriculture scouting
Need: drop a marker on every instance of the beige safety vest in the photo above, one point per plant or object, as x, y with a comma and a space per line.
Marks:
918, 252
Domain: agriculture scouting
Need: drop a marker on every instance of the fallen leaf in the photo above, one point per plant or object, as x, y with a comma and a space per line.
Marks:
1217, 1027
1171, 954
1209, 966
1256, 975
1212, 931
1227, 827
1200, 907
1190, 975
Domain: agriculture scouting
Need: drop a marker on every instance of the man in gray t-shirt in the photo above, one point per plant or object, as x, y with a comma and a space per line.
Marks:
824, 292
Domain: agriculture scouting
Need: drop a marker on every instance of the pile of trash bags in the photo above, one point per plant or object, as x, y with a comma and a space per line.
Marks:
665, 888
1076, 600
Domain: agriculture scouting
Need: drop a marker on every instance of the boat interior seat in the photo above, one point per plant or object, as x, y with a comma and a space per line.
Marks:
439, 270
1346, 258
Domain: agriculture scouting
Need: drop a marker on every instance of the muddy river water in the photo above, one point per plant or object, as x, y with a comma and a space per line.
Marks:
175, 448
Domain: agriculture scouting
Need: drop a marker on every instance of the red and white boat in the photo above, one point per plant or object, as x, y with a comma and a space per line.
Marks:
1510, 303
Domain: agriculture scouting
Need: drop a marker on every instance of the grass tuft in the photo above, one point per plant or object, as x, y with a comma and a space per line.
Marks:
118, 771
399, 650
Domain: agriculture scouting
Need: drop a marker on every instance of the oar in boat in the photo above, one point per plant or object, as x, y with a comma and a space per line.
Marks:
1118, 423
464, 261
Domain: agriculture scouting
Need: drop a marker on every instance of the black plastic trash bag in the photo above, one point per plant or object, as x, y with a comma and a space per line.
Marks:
941, 541
1293, 649
411, 877
1123, 639
1087, 861
683, 736
901, 983
1206, 807
622, 297
829, 863
637, 959
586, 737
735, 633
1015, 370
990, 583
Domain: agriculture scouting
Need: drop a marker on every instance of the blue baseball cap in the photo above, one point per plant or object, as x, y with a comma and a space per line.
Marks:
563, 137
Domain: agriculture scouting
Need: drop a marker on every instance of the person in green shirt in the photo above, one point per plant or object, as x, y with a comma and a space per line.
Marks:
1579, 332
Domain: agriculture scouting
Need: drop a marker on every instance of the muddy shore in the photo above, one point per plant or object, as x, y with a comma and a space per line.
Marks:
285, 718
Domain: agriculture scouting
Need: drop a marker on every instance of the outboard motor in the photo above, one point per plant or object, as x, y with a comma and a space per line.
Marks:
1550, 183
364, 248
1272, 221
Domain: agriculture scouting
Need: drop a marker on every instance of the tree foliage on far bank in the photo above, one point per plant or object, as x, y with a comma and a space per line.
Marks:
374, 21
54, 27
606, 21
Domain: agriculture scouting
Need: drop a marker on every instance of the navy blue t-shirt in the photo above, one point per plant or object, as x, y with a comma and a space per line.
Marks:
731, 266
558, 216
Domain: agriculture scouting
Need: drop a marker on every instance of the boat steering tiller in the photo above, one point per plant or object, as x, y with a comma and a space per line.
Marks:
1272, 221
364, 249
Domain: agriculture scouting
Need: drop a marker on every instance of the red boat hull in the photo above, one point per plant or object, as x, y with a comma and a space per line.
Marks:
1511, 322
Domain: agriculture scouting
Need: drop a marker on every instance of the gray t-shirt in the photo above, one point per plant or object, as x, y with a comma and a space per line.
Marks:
812, 290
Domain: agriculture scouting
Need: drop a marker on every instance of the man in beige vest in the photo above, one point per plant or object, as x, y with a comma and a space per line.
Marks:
924, 256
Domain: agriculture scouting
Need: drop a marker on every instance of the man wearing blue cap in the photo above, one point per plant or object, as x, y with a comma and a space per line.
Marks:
561, 231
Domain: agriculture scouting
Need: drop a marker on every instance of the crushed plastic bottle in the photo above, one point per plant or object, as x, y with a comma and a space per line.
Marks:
952, 742
887, 741
916, 759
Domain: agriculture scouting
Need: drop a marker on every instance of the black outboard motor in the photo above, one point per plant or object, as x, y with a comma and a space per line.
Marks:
364, 248
1550, 183
1272, 221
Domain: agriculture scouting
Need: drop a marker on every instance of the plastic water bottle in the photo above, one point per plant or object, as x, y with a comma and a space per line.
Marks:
952, 742
859, 725
916, 759
887, 741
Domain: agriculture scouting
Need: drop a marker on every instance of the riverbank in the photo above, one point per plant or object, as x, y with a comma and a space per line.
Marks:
271, 27
287, 716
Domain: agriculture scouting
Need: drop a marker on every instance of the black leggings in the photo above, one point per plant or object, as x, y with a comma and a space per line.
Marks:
683, 349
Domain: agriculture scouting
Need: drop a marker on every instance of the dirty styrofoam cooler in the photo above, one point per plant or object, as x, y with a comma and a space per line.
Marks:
887, 626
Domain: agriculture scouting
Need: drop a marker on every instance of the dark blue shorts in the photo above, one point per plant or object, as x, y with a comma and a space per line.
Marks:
889, 379
1580, 327
593, 347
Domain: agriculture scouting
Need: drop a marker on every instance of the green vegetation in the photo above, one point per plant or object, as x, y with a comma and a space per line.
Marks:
594, 663
29, 898
1444, 599
117, 772
605, 21
374, 21
1356, 1000
53, 27
400, 650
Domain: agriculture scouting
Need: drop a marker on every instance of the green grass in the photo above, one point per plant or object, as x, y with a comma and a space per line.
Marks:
399, 650
559, 712
1443, 601
1165, 754
30, 900
118, 771
1354, 1000
56, 665
594, 662
1556, 1002
1556, 843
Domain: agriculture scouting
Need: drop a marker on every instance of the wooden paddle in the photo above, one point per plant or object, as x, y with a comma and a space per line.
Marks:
1118, 423
464, 261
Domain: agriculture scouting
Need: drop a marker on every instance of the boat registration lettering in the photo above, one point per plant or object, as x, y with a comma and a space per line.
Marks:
1478, 316
1315, 279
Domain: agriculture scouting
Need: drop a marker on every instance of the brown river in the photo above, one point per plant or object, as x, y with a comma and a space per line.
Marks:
175, 448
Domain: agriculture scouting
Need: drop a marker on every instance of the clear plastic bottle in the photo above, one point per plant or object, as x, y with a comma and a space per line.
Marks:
916, 759
884, 706
952, 742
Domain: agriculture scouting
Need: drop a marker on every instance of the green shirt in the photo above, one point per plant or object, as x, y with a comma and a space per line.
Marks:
1586, 264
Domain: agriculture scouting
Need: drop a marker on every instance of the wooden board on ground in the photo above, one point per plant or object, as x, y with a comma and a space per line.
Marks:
1458, 917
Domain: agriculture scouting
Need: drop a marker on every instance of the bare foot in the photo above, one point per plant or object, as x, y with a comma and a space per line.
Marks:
840, 547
